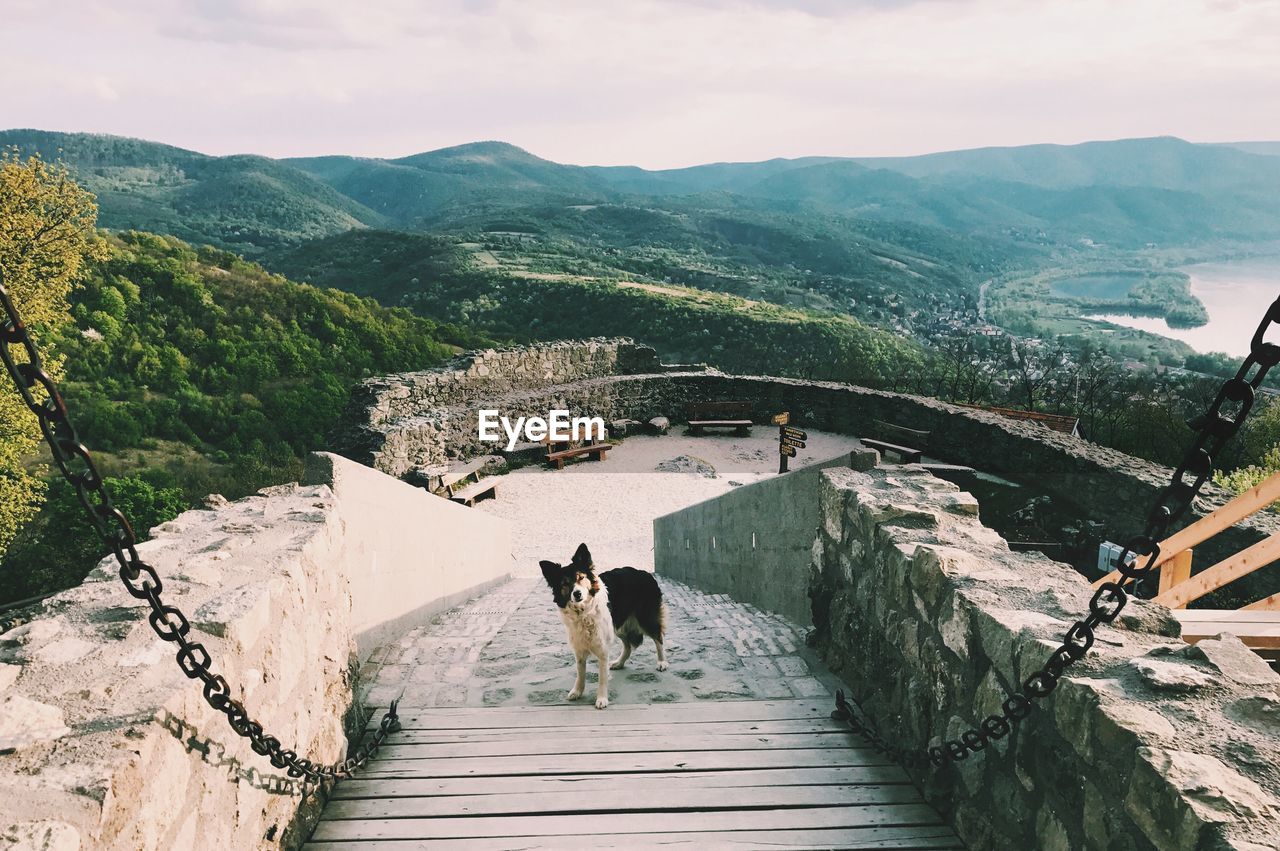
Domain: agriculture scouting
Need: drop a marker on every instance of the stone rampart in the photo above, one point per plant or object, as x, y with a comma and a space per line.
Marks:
1147, 743
104, 744
399, 421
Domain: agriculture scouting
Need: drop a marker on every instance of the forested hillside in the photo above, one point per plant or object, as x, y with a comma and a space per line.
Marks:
1124, 193
248, 203
683, 323
191, 371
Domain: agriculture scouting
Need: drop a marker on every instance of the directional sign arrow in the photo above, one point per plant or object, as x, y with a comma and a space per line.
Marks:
795, 433
787, 449
788, 441
782, 418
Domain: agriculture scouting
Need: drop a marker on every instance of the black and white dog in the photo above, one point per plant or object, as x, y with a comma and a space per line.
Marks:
623, 601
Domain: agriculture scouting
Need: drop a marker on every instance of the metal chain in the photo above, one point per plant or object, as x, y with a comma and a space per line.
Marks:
77, 466
1216, 426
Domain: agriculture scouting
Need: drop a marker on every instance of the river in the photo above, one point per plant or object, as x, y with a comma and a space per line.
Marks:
1235, 293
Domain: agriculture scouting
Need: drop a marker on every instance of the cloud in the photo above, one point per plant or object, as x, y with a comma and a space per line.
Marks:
654, 82
102, 87
819, 8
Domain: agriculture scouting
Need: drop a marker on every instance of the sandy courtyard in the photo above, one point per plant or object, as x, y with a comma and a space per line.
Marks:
611, 505
508, 648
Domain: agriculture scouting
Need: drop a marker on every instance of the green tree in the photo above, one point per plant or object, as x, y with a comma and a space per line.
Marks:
1243, 478
46, 236
55, 551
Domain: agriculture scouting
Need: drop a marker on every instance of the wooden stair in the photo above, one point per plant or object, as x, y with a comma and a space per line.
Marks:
776, 773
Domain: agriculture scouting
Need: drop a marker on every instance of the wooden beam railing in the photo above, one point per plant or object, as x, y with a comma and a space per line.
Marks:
1257, 624
1174, 562
1223, 573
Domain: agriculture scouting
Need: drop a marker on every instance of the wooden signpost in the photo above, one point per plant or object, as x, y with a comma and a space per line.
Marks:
789, 439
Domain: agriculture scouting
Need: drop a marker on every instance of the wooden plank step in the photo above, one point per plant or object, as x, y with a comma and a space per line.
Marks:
584, 714
1233, 615
862, 838
615, 824
1259, 630
361, 787
570, 802
697, 728
591, 763
574, 744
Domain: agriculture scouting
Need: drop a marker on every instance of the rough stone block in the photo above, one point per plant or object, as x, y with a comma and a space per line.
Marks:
1177, 796
45, 835
1172, 677
1228, 657
25, 722
8, 675
864, 459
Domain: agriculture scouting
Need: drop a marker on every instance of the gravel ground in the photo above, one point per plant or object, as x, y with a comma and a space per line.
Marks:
611, 505
508, 647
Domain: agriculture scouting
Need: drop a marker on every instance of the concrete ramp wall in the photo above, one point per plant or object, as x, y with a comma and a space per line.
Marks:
409, 553
104, 744
754, 543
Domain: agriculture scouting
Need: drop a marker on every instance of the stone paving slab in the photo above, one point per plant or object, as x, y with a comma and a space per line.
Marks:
508, 648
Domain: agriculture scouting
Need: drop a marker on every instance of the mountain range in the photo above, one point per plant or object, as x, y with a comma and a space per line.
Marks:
1125, 193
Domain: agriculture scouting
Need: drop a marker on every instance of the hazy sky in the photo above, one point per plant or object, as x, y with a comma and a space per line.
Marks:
651, 82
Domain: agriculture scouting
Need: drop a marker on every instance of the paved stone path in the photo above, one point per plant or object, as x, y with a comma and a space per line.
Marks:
508, 648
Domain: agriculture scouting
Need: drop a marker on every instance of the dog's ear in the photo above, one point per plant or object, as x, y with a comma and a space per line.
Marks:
582, 557
551, 572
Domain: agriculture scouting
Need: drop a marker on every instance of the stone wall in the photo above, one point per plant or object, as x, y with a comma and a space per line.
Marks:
104, 744
930, 619
411, 419
753, 543
400, 422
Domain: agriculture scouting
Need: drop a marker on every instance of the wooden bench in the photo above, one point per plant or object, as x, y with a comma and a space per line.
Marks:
900, 434
594, 450
463, 484
734, 415
908, 455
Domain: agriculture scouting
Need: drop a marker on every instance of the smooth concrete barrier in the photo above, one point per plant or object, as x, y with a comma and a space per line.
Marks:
754, 543
410, 553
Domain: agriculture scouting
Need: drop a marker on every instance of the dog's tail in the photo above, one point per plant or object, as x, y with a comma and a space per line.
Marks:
634, 633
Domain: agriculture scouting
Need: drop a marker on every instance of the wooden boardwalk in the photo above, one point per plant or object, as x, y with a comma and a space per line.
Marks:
735, 774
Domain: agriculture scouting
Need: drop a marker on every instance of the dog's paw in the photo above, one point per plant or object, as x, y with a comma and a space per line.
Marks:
574, 694
602, 702
662, 666
617, 666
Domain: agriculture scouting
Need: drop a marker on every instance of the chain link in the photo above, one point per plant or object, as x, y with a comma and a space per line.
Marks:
1224, 417
140, 579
